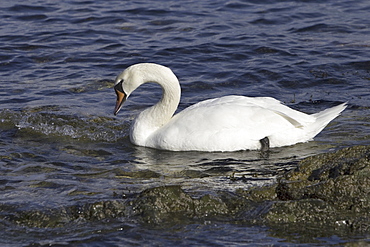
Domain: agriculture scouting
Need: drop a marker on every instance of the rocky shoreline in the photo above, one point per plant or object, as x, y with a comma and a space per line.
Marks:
326, 194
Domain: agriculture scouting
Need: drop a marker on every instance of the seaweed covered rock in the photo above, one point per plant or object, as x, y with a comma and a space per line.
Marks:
331, 190
341, 178
171, 204
57, 217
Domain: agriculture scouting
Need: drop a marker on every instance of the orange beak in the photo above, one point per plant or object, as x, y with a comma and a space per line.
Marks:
121, 98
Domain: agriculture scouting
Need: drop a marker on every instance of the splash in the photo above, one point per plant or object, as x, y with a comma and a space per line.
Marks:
53, 122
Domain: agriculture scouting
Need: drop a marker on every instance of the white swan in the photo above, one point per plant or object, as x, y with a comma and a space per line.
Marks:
228, 123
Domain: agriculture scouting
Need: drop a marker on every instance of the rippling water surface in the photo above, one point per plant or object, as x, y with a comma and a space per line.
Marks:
61, 146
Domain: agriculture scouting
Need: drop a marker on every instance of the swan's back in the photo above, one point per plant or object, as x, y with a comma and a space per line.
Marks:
236, 123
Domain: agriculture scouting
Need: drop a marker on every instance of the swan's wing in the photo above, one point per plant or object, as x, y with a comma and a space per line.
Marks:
225, 124
296, 118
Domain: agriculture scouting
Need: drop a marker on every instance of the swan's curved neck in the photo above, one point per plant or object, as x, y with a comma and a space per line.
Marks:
153, 118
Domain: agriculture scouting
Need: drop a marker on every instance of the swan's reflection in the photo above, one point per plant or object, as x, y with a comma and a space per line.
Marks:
195, 170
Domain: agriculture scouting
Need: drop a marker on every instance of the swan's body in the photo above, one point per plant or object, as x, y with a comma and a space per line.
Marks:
228, 123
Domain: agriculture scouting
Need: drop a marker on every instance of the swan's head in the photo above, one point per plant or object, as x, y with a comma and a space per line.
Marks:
121, 96
124, 85
135, 75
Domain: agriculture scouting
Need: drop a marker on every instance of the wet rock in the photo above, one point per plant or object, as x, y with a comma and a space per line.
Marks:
57, 217
171, 204
100, 210
341, 179
143, 174
155, 205
326, 190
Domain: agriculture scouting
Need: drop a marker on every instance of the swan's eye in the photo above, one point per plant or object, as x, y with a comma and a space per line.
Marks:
119, 87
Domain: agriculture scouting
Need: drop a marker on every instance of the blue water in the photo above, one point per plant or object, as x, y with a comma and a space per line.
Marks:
61, 146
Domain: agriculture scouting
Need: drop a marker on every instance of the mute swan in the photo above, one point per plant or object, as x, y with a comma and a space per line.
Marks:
229, 123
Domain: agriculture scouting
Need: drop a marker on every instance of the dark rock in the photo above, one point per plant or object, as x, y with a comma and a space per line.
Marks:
326, 190
171, 204
342, 179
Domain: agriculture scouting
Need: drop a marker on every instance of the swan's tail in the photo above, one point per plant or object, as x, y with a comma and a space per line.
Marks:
324, 117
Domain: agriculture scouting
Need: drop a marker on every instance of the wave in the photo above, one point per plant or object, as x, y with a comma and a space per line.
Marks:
52, 121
